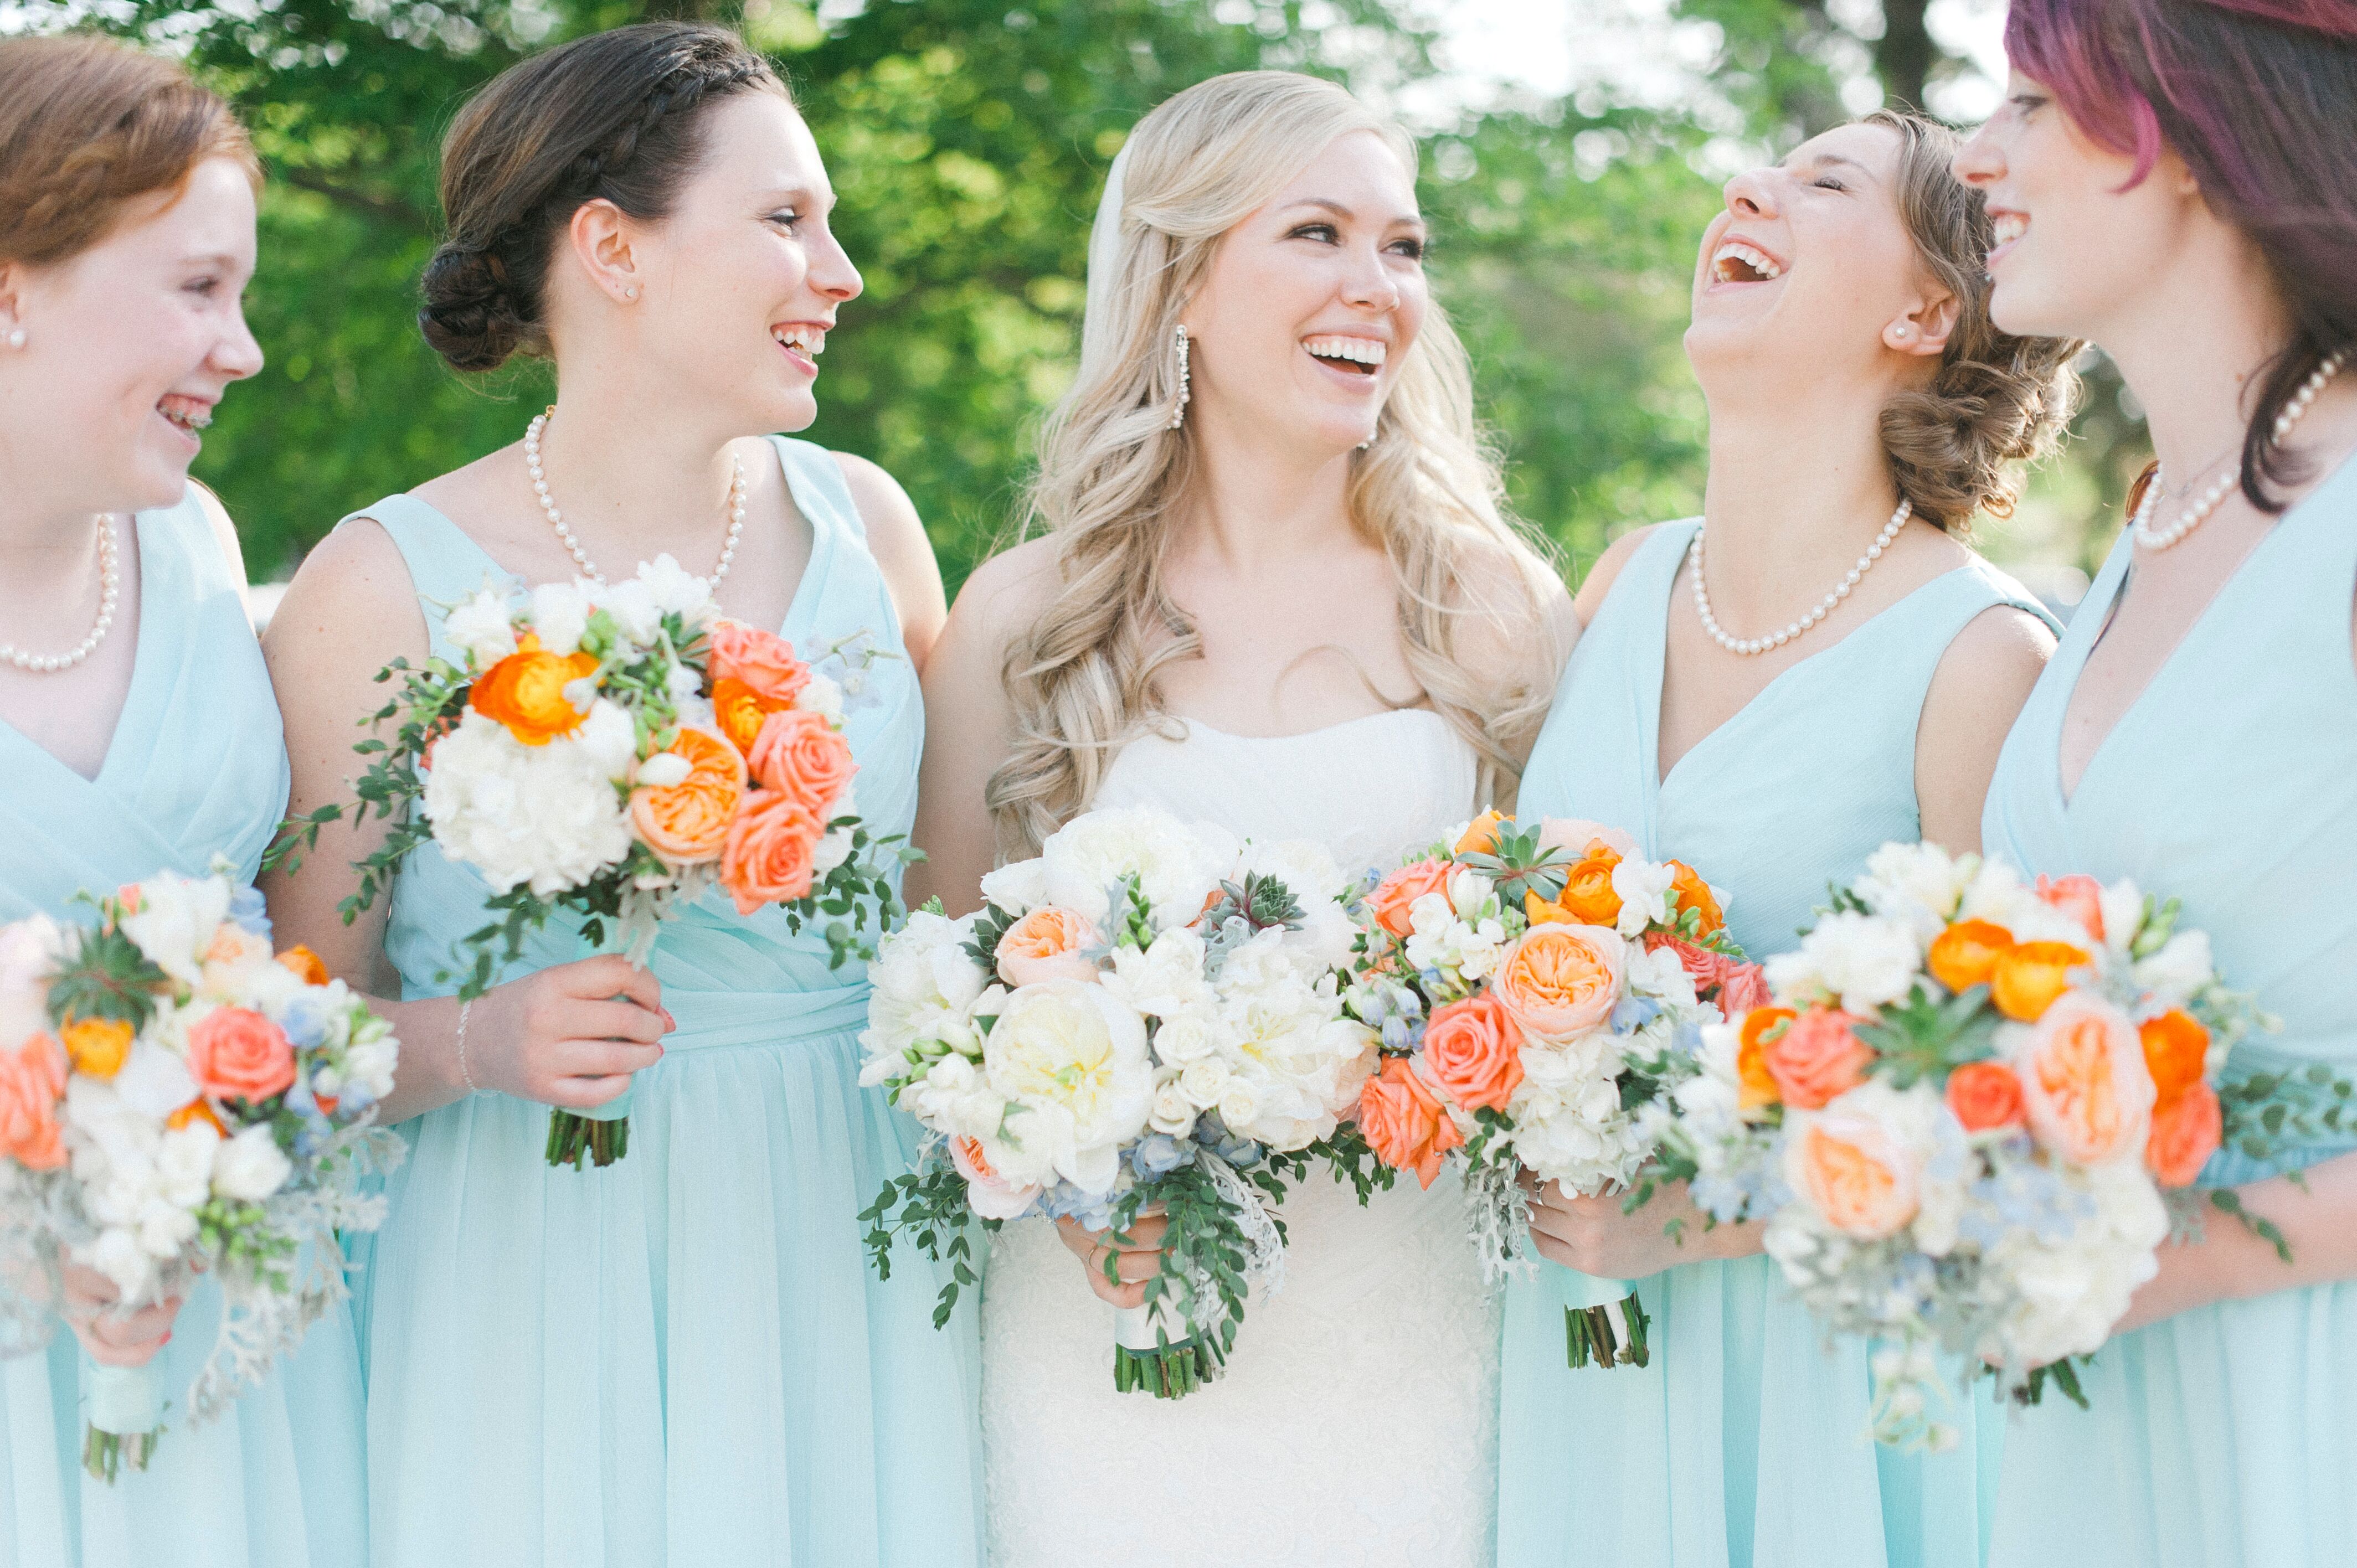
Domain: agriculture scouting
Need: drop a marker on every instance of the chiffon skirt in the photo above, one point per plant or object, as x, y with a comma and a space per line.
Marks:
1742, 1444
273, 1481
683, 1357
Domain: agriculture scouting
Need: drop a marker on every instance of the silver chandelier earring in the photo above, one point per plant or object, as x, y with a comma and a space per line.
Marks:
1178, 340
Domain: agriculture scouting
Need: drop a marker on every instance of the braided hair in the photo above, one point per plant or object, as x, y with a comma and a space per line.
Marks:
616, 116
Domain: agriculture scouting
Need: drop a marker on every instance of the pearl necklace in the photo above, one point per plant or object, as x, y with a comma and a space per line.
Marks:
1824, 605
110, 586
2196, 514
581, 557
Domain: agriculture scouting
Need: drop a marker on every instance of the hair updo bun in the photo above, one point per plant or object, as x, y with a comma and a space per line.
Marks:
616, 116
1996, 400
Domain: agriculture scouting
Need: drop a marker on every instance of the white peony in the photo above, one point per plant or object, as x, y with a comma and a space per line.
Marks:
1163, 981
176, 922
559, 613
1073, 1068
1179, 866
484, 626
952, 1098
547, 815
1017, 888
924, 988
250, 1166
1867, 962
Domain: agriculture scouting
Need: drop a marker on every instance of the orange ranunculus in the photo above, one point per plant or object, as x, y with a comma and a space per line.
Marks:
2186, 1132
235, 1053
197, 1111
738, 710
1817, 1057
1397, 893
1966, 954
1757, 1086
1473, 1050
1404, 1123
525, 691
767, 859
762, 660
687, 824
304, 965
1557, 981
1480, 835
97, 1046
2083, 1082
1689, 891
1856, 1174
32, 1085
2080, 897
803, 755
2028, 978
1539, 912
1985, 1096
1588, 896
1046, 944
2176, 1051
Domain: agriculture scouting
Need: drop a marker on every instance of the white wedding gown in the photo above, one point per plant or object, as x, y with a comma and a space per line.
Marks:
1356, 1423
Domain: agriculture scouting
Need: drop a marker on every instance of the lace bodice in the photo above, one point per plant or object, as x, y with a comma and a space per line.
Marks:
1355, 1426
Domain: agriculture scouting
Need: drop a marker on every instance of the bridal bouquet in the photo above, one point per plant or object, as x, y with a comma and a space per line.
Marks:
174, 1098
617, 751
1142, 1019
1969, 1116
1530, 983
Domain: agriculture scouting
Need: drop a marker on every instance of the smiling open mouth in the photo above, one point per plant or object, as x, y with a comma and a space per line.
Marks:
1736, 262
811, 340
2006, 228
1361, 356
185, 412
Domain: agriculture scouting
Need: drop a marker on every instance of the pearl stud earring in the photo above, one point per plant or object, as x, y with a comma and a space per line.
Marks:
17, 338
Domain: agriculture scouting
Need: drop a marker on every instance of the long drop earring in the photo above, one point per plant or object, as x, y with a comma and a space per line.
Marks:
1178, 340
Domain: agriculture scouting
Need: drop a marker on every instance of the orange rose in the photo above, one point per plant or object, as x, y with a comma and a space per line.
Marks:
1397, 893
801, 755
1403, 1122
1473, 1050
1856, 1174
32, 1083
2083, 1082
525, 691
738, 710
2080, 897
1966, 954
2176, 1051
687, 824
97, 1046
2185, 1132
1557, 981
235, 1053
1587, 897
1757, 1084
1985, 1096
767, 859
2028, 978
1046, 944
1689, 891
1817, 1057
304, 965
1480, 835
762, 660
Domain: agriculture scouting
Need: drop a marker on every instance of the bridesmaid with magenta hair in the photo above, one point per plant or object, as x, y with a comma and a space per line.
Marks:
139, 734
682, 1357
2176, 180
1817, 665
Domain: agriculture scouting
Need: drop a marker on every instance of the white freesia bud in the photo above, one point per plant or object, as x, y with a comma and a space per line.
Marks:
663, 770
608, 738
250, 1166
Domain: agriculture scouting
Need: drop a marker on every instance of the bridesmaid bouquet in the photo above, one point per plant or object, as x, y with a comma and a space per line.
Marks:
1531, 984
1969, 1117
173, 1097
619, 751
1143, 1019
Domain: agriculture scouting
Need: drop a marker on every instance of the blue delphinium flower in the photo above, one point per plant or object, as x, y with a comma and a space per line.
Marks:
305, 1019
248, 911
1634, 1013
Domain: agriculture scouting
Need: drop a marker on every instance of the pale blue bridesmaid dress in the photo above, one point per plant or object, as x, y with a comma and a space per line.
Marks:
2223, 1437
197, 768
1744, 1440
683, 1357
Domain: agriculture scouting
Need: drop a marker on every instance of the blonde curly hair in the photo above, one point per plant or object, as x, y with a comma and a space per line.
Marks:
1114, 477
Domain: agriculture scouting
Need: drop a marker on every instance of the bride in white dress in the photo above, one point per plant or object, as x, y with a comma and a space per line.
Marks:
1275, 591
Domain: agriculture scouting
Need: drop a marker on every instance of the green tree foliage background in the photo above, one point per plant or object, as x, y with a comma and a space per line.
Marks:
968, 140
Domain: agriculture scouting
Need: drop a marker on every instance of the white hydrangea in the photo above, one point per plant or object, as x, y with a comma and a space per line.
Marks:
548, 816
2070, 1295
